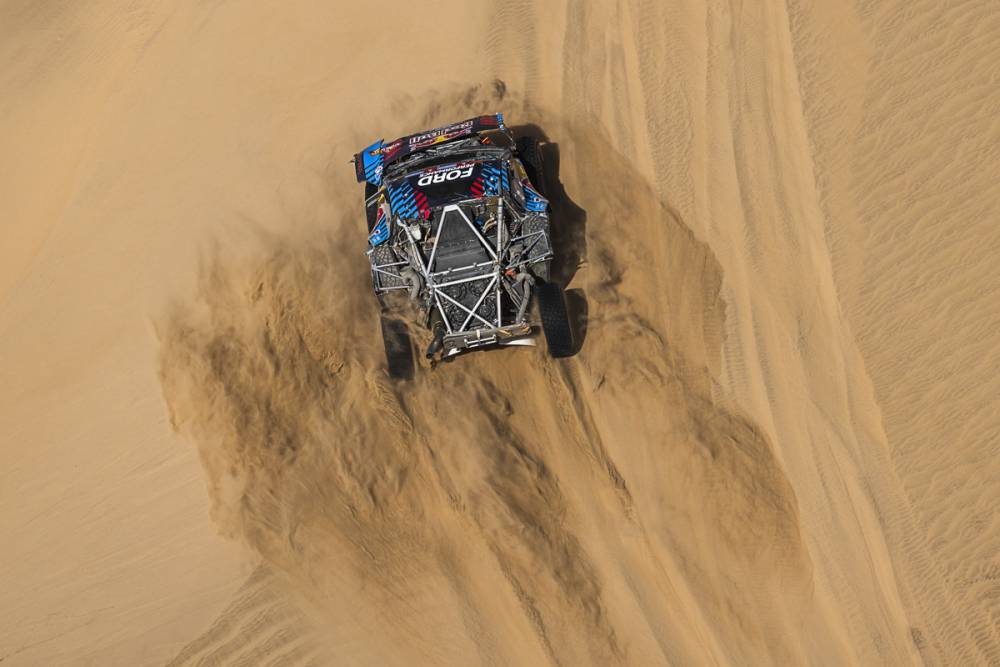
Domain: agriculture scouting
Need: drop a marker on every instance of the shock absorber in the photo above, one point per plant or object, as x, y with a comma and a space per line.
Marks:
413, 281
526, 281
437, 342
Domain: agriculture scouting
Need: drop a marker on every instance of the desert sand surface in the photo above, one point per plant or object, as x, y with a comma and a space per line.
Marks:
778, 223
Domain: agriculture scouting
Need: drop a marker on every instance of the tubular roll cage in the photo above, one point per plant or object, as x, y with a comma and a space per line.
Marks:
495, 274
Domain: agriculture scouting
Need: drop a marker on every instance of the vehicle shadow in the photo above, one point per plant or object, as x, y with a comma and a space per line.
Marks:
569, 231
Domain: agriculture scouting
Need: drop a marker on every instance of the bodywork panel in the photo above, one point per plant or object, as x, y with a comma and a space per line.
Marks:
370, 163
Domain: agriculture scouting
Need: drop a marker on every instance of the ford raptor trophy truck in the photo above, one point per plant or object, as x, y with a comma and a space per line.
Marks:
458, 221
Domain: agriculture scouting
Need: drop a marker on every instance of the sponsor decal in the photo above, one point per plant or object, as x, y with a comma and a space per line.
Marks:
448, 167
447, 173
440, 134
532, 200
388, 149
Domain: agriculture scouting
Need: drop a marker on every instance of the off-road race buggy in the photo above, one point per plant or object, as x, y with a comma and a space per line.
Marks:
458, 220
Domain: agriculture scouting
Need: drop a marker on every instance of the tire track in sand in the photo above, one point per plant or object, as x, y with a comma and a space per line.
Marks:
258, 627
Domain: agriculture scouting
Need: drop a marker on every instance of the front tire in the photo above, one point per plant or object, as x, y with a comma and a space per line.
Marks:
529, 150
555, 320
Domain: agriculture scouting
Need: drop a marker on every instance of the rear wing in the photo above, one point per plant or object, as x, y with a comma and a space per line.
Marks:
372, 161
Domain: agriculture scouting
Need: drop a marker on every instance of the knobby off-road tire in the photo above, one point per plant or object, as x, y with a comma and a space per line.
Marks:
531, 157
555, 321
398, 349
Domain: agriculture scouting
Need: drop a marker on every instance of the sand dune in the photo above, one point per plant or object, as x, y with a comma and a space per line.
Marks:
777, 225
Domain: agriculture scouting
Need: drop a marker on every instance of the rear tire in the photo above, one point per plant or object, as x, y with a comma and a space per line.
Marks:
555, 321
531, 157
398, 350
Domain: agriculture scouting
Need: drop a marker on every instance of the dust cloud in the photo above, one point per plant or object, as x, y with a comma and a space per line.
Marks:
317, 460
